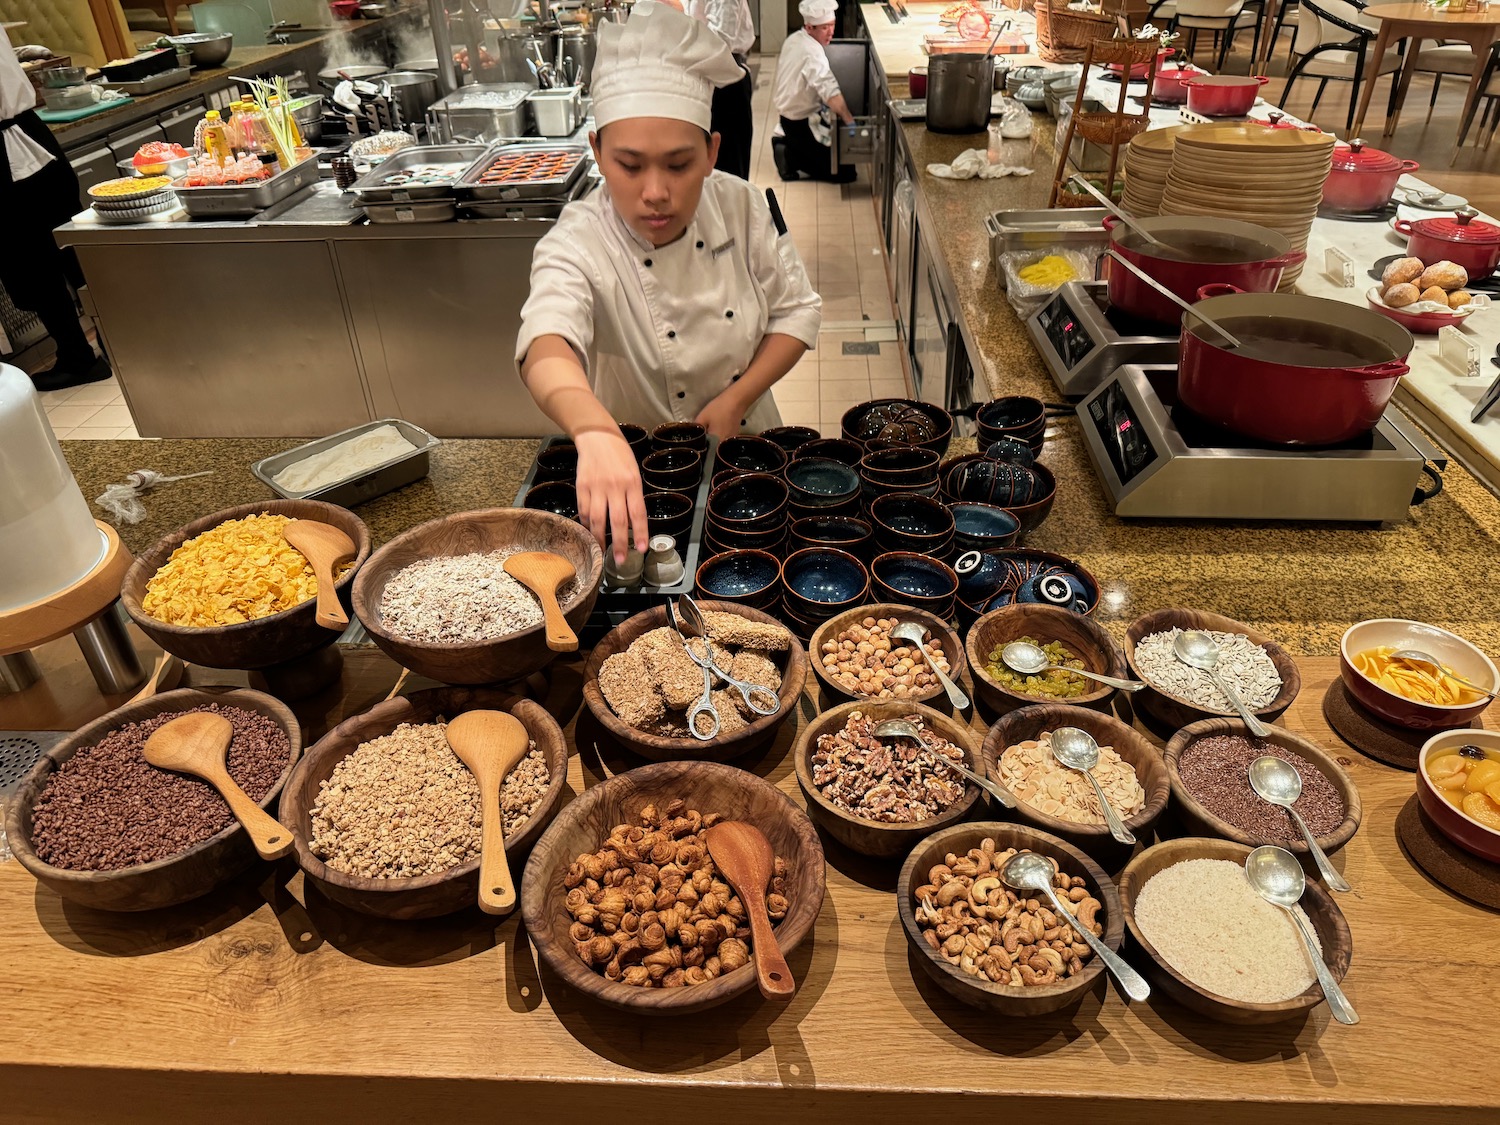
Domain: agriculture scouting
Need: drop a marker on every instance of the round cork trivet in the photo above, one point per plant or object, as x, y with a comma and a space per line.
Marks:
1383, 741
1443, 861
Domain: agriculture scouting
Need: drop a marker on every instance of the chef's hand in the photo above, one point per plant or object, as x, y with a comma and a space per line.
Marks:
724, 414
609, 490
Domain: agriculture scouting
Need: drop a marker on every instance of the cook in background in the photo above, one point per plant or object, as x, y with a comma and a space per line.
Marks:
666, 295
733, 119
39, 191
807, 99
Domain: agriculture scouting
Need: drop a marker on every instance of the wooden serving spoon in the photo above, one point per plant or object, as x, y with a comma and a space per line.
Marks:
544, 573
490, 743
196, 743
166, 666
744, 857
324, 546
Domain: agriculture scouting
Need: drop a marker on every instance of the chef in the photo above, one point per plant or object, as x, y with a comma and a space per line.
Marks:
667, 294
38, 192
807, 99
732, 117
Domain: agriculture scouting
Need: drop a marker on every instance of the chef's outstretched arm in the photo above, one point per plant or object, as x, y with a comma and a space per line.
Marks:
841, 109
609, 481
776, 355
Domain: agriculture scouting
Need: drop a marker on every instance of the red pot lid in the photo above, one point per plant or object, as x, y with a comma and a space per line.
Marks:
1355, 157
1463, 228
1228, 80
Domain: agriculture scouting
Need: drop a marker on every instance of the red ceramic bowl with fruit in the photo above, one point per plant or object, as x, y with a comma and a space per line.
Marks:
1423, 323
1458, 787
1392, 634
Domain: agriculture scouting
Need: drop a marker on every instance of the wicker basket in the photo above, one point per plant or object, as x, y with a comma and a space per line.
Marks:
1063, 35
1109, 129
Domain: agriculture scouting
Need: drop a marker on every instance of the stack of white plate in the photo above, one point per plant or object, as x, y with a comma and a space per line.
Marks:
1148, 160
116, 203
1270, 177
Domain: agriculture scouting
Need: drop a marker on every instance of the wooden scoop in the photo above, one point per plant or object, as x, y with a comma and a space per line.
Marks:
167, 667
324, 546
544, 573
744, 857
490, 743
196, 743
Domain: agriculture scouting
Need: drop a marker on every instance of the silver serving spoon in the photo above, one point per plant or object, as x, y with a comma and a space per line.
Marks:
1280, 784
1077, 750
1114, 209
1027, 871
900, 728
1417, 656
913, 634
1196, 649
1029, 659
1277, 877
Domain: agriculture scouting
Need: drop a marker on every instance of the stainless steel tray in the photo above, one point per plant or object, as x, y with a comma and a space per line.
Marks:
163, 81
556, 188
526, 208
370, 188
412, 211
246, 199
1022, 230
361, 487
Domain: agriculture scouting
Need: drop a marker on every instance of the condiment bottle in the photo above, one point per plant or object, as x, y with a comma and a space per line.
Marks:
216, 141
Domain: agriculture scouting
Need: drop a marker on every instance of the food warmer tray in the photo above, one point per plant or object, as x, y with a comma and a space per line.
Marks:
462, 157
242, 200
412, 211
616, 604
402, 470
163, 81
557, 187
527, 208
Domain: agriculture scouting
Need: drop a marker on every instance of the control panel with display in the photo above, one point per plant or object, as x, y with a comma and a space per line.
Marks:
1120, 432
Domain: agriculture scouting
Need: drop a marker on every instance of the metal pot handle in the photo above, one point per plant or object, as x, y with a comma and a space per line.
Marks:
1218, 289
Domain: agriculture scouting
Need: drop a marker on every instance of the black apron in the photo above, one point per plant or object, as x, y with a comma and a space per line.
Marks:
32, 208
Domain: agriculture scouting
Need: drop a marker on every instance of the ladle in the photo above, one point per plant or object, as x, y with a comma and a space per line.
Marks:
1277, 877
900, 728
1229, 339
1077, 750
490, 743
914, 635
1280, 784
544, 574
1196, 649
1114, 209
744, 857
196, 743
1029, 659
324, 547
1027, 871
1417, 656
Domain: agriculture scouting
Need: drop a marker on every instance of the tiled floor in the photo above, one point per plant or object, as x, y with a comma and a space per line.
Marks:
95, 411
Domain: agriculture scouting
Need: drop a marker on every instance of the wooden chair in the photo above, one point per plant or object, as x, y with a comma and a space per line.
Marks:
1335, 44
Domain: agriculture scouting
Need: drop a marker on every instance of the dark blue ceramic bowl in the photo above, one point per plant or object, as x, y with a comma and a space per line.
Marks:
637, 438
754, 502
984, 527
1012, 450
847, 533
834, 449
904, 466
818, 482
791, 438
669, 513
822, 581
559, 497
680, 435
919, 517
750, 454
907, 578
673, 469
558, 461
746, 577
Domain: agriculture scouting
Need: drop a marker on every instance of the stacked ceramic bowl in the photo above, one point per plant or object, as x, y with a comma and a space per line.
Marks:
1270, 177
1014, 417
899, 421
746, 512
819, 583
900, 470
1148, 160
821, 486
913, 523
132, 198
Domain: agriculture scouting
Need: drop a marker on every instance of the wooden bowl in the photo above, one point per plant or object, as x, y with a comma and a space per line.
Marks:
1327, 920
1175, 712
708, 787
659, 748
870, 837
981, 992
1094, 839
1082, 636
1200, 822
939, 629
283, 636
419, 896
513, 656
163, 882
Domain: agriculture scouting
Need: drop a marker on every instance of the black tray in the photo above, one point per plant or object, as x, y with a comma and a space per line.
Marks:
616, 604
143, 67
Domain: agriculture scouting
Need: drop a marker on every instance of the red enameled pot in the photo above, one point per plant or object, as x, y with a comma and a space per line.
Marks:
1171, 83
1287, 403
1362, 179
1263, 255
1462, 239
1223, 95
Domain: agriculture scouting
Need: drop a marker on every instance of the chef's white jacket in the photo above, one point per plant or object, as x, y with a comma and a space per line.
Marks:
24, 155
804, 80
661, 330
730, 20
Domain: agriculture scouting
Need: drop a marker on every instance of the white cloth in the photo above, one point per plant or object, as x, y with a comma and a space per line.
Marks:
815, 12
651, 324
730, 20
659, 63
804, 80
25, 156
975, 162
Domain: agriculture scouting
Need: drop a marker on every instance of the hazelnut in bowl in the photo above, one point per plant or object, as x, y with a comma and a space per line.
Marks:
1458, 787
855, 656
1410, 694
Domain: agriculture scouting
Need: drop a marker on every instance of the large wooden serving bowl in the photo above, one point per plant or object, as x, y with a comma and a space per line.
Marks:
938, 629
659, 748
1093, 839
981, 992
163, 882
1082, 636
1326, 918
251, 644
1175, 712
1200, 822
873, 837
512, 656
420, 896
708, 787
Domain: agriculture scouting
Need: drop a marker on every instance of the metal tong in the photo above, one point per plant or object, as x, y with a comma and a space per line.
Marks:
687, 620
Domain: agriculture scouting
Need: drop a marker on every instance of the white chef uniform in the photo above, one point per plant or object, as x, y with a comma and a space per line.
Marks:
663, 330
23, 154
730, 20
804, 80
